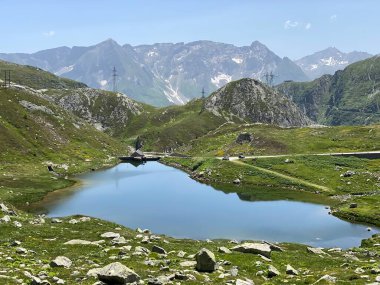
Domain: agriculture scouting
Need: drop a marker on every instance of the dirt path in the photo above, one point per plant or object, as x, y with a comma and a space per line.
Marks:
363, 154
284, 176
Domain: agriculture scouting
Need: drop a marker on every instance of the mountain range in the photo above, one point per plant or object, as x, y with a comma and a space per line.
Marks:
165, 73
349, 97
328, 61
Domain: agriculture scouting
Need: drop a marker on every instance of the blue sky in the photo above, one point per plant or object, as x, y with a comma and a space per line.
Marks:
292, 28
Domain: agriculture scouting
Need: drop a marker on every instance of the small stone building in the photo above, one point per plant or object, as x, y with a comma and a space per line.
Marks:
138, 154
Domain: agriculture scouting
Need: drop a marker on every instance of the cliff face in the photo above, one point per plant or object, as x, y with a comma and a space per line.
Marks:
254, 102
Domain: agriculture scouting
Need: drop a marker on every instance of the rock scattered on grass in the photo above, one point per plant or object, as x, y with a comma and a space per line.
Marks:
290, 270
158, 249
254, 248
273, 271
117, 273
205, 261
327, 278
61, 261
188, 263
223, 249
82, 242
110, 235
315, 250
244, 282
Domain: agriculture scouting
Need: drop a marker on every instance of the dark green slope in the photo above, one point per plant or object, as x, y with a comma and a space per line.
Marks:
349, 97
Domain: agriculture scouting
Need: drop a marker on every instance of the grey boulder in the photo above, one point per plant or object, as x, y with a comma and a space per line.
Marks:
117, 273
205, 261
254, 248
61, 261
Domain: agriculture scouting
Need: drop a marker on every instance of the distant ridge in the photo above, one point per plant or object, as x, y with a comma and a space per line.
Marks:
163, 73
328, 61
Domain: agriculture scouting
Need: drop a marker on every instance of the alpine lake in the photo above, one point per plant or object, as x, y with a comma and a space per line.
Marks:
167, 201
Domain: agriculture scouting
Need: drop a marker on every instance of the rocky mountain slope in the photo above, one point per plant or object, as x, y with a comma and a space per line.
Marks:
162, 74
349, 97
328, 61
255, 102
34, 129
106, 111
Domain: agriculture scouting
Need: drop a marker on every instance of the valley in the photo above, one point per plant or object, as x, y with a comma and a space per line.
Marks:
47, 121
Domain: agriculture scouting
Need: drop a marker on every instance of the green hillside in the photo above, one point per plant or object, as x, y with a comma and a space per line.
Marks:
171, 127
36, 78
272, 140
349, 97
35, 133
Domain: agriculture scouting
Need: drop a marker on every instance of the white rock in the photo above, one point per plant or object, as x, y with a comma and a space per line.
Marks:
254, 248
110, 235
117, 273
61, 261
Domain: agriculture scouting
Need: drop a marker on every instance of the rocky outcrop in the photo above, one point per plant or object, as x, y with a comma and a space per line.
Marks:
104, 110
252, 101
244, 138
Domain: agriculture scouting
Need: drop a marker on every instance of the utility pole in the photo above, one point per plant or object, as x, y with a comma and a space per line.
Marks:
7, 78
114, 76
203, 93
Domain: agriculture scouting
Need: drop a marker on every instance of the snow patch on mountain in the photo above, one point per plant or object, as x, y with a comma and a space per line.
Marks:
221, 79
173, 94
237, 60
328, 61
313, 66
332, 61
152, 54
64, 70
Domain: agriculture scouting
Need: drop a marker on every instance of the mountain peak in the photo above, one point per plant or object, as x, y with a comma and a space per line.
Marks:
257, 44
332, 49
255, 102
108, 42
328, 61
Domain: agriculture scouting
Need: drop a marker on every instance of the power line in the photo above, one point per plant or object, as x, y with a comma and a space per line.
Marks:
114, 76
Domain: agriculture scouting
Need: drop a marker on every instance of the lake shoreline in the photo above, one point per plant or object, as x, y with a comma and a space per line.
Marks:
332, 203
125, 209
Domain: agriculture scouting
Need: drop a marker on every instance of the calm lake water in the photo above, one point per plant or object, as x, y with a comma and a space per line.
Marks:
166, 201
